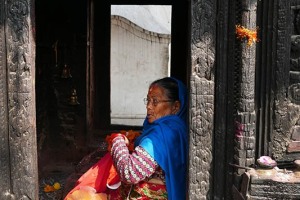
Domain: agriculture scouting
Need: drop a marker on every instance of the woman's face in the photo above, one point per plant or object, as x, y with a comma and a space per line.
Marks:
163, 108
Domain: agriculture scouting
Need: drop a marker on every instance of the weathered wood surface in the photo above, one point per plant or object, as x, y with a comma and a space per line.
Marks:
221, 129
202, 89
19, 177
4, 146
245, 88
285, 100
279, 123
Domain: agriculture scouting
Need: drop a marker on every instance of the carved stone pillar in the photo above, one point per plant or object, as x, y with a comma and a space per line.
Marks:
18, 160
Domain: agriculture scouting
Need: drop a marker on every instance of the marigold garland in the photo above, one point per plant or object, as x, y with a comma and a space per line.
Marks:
243, 33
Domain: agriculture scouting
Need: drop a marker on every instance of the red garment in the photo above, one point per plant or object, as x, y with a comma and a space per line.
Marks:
141, 191
98, 176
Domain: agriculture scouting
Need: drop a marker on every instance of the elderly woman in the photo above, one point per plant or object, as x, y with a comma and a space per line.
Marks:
156, 169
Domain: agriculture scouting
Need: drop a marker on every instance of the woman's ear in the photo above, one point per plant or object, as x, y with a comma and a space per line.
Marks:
176, 107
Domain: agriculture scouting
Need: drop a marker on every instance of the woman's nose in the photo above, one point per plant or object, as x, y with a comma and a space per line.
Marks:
149, 104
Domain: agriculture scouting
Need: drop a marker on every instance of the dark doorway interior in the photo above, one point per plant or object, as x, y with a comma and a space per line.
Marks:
60, 44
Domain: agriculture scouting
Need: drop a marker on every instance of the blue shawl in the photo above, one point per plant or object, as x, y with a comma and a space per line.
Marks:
166, 140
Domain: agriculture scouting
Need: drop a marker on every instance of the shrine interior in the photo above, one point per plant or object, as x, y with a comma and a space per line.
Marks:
60, 43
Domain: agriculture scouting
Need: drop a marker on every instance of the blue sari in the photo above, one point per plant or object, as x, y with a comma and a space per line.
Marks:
166, 140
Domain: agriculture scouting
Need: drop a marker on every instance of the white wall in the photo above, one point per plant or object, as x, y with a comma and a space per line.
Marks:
154, 18
138, 57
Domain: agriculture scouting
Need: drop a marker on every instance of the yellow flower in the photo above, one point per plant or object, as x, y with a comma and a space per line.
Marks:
52, 188
56, 186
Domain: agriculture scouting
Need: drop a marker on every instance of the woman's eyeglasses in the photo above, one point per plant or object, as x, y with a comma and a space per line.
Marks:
154, 102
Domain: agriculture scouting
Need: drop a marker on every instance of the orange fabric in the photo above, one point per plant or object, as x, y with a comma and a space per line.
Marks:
98, 176
86, 194
113, 177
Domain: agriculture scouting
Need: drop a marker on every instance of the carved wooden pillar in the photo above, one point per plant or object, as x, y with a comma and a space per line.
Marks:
202, 90
18, 160
4, 148
245, 88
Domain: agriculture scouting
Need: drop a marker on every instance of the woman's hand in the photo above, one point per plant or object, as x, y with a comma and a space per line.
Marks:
128, 136
114, 135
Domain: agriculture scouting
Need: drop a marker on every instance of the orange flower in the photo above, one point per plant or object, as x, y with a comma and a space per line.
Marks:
130, 135
243, 33
52, 188
49, 188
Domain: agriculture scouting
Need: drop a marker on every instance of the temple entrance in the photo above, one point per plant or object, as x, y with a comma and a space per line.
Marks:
244, 101
74, 84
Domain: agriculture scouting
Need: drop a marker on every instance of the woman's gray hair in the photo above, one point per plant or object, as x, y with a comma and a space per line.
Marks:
170, 87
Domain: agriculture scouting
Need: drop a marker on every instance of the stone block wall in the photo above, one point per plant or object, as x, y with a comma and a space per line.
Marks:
273, 184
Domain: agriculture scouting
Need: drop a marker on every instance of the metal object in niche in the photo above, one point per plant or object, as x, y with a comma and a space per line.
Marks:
73, 98
66, 72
